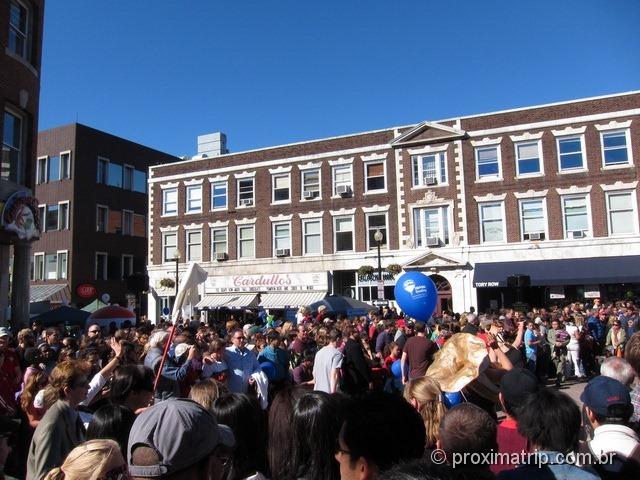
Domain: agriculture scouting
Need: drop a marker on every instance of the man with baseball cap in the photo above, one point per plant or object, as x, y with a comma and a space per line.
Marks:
608, 407
176, 440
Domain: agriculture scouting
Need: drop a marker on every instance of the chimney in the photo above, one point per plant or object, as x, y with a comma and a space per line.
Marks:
212, 145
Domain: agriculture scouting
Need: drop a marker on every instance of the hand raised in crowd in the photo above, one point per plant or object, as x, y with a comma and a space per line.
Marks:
115, 346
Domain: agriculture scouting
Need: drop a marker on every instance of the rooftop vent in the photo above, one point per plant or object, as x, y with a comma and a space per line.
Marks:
212, 145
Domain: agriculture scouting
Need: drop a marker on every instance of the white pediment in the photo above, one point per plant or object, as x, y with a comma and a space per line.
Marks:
432, 259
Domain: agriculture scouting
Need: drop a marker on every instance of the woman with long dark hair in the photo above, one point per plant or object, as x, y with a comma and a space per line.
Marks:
280, 442
112, 422
316, 422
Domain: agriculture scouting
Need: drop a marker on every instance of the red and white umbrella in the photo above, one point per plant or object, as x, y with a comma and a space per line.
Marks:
113, 313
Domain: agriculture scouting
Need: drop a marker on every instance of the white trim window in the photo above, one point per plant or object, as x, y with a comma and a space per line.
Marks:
53, 212
570, 153
63, 264
65, 165
431, 226
280, 187
42, 213
341, 176
246, 242
102, 218
38, 267
13, 163
375, 180
488, 164
127, 177
127, 222
51, 266
194, 245
312, 237
126, 265
218, 195
491, 216
194, 199
63, 215
575, 216
429, 170
169, 201
102, 260
528, 158
19, 29
310, 180
622, 216
169, 246
219, 243
343, 234
41, 170
616, 148
53, 168
533, 219
246, 192
103, 171
375, 222
281, 237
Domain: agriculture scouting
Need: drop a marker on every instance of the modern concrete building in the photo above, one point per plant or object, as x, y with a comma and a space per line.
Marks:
547, 192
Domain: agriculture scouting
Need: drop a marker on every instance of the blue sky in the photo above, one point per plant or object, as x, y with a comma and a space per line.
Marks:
271, 72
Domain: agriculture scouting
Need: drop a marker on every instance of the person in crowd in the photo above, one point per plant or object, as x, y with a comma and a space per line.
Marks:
550, 421
531, 344
425, 396
303, 373
558, 339
98, 459
515, 386
244, 417
93, 332
616, 338
360, 452
280, 431
597, 326
241, 363
417, 354
172, 373
618, 369
302, 342
178, 440
315, 423
327, 364
213, 364
26, 339
36, 382
384, 338
132, 387
10, 375
607, 405
60, 429
632, 355
356, 371
206, 392
279, 357
574, 329
112, 422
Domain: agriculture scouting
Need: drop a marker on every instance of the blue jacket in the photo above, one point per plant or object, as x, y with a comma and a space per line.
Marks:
597, 329
277, 356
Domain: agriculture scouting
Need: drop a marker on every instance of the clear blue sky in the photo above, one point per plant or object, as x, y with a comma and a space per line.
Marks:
268, 72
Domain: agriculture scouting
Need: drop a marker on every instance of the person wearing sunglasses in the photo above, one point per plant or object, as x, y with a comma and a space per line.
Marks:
61, 429
241, 362
98, 459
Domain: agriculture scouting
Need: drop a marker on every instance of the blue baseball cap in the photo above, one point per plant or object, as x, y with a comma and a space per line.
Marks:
603, 392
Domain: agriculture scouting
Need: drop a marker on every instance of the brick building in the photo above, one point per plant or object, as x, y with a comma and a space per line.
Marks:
20, 53
92, 192
542, 192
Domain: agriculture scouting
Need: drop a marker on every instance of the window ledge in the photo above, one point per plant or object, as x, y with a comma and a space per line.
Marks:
22, 60
316, 199
617, 167
528, 175
193, 212
489, 179
575, 170
219, 209
168, 215
426, 187
375, 192
245, 207
282, 202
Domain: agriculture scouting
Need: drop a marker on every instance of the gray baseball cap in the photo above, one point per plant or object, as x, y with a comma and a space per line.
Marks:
5, 332
180, 431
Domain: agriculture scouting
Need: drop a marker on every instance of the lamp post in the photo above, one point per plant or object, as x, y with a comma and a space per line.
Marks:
176, 258
378, 238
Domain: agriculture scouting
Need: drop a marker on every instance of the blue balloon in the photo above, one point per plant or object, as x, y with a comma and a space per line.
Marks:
396, 369
451, 399
269, 370
416, 295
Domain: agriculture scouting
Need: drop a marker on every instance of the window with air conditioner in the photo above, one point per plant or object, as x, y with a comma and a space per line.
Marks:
342, 179
622, 214
245, 192
281, 238
431, 226
375, 222
310, 184
533, 221
575, 214
491, 222
429, 170
219, 248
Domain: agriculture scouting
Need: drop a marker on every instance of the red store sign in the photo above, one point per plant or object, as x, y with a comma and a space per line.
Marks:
86, 290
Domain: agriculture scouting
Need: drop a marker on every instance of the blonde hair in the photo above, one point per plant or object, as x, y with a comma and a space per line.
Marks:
206, 392
427, 394
86, 462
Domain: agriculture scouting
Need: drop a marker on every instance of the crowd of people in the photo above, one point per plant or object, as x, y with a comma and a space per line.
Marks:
326, 397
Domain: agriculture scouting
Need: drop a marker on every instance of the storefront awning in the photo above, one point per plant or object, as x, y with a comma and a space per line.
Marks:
290, 299
55, 293
231, 300
568, 271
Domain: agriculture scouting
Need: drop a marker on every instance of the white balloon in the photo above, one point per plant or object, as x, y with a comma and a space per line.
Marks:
105, 298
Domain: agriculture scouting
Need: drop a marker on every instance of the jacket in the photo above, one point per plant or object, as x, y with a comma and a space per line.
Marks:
356, 373
172, 373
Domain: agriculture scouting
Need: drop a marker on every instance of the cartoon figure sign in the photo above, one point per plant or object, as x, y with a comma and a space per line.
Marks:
416, 295
20, 215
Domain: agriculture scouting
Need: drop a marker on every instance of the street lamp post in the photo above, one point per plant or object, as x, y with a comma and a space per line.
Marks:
176, 258
378, 238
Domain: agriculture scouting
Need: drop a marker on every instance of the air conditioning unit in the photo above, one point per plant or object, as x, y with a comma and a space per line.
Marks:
246, 202
535, 236
430, 181
433, 241
310, 194
283, 252
343, 190
576, 234
221, 256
